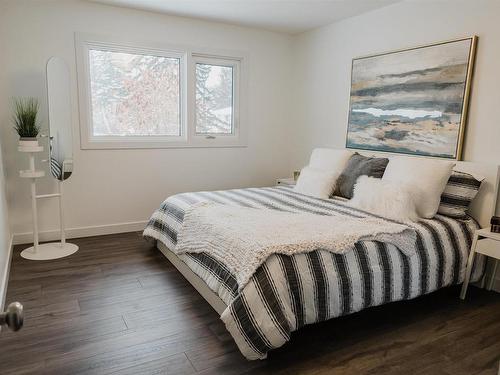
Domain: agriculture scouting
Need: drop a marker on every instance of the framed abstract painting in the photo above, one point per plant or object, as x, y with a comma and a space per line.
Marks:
412, 101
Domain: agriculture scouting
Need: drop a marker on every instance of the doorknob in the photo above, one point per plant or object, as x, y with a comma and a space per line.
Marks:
13, 317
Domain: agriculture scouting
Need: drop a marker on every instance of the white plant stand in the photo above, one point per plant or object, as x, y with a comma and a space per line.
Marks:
53, 250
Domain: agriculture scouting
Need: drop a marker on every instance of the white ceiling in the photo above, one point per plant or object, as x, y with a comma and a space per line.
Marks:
289, 16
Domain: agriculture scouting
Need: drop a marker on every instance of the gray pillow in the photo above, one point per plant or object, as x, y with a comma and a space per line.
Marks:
358, 165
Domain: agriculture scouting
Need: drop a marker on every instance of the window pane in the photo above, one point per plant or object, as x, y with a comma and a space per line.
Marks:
134, 95
214, 99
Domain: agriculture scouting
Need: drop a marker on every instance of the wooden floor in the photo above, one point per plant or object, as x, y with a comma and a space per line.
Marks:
118, 306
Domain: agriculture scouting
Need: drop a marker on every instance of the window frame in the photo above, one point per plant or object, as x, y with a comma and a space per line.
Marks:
223, 62
188, 57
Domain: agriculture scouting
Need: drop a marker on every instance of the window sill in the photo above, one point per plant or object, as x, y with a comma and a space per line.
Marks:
124, 145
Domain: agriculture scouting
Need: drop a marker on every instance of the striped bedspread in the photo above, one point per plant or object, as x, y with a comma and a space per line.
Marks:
55, 168
288, 292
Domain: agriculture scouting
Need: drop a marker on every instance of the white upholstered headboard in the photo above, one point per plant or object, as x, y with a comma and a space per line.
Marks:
485, 204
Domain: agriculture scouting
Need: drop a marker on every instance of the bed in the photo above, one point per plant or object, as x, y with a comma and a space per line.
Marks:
288, 292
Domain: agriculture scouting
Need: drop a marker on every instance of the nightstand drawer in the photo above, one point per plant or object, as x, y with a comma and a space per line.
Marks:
488, 247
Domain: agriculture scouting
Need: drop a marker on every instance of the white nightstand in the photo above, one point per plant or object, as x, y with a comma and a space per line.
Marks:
487, 243
286, 181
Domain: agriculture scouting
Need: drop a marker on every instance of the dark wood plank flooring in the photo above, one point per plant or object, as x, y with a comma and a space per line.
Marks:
118, 306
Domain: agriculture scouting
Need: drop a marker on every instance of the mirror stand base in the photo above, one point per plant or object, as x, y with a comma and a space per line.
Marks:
46, 251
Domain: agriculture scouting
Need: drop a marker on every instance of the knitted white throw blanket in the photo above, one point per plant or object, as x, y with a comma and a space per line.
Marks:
243, 238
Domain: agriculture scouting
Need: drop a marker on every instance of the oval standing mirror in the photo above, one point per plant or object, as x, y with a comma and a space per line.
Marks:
60, 133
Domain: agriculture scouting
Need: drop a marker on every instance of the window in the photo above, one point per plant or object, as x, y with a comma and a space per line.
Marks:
150, 97
134, 94
214, 99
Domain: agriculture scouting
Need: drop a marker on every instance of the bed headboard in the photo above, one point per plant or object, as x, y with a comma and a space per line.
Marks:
485, 204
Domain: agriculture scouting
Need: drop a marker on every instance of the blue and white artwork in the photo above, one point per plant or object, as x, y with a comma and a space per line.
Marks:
410, 101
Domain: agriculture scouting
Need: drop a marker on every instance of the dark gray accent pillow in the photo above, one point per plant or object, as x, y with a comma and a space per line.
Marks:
358, 165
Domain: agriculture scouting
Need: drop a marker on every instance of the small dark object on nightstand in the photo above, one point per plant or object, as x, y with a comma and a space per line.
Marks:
495, 224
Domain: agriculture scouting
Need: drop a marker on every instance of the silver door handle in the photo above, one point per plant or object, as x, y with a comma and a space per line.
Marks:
13, 317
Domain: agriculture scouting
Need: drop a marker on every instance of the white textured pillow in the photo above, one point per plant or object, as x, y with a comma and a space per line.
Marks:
329, 159
384, 198
427, 177
316, 182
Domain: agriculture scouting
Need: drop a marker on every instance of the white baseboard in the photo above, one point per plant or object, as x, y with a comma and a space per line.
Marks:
5, 279
96, 230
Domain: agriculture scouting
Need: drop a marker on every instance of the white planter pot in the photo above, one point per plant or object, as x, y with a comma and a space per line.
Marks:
28, 142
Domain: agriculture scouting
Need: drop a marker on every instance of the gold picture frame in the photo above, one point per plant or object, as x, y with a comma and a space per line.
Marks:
412, 100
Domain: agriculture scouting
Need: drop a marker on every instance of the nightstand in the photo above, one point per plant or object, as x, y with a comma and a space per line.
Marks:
286, 181
487, 243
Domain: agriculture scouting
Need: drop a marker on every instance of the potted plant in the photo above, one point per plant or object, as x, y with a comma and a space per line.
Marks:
25, 121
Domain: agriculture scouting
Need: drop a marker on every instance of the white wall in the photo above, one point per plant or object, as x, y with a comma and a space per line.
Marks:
5, 237
323, 68
117, 186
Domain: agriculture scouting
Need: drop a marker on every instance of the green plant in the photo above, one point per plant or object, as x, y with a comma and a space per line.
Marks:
25, 117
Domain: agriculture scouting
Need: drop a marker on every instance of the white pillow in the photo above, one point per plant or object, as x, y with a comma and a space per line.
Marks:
316, 182
329, 159
384, 198
426, 177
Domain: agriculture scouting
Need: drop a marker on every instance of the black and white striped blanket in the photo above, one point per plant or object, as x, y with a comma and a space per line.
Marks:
55, 168
288, 292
